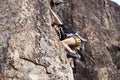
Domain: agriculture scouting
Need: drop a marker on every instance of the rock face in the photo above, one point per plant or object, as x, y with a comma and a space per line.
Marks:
115, 47
30, 49
98, 21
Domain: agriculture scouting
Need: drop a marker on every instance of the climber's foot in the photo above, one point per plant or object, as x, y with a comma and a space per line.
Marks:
72, 55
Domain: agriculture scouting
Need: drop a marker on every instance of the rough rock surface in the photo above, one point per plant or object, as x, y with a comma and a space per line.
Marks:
99, 21
30, 49
115, 47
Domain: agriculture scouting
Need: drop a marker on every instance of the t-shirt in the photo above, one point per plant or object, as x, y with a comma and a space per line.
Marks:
63, 32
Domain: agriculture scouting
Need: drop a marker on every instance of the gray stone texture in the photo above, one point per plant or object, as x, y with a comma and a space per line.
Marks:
31, 50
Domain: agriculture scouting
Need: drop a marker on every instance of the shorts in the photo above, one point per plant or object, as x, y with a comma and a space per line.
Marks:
78, 40
77, 44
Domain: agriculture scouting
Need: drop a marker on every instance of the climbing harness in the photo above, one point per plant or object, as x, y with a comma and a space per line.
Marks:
83, 39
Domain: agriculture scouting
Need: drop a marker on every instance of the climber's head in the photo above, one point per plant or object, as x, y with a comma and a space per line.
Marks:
56, 27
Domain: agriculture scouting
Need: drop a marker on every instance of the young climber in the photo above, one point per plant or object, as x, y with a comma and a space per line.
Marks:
67, 37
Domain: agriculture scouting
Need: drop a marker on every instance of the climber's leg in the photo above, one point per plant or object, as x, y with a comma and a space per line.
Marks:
67, 42
69, 60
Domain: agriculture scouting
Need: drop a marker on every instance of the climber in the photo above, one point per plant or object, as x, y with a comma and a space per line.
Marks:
68, 38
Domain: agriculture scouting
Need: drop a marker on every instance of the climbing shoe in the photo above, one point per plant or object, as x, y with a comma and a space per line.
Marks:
73, 65
72, 55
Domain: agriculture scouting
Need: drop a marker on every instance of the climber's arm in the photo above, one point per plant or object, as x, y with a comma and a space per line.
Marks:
56, 16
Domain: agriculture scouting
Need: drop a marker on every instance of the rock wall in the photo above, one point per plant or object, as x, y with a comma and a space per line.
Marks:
97, 20
30, 49
115, 47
